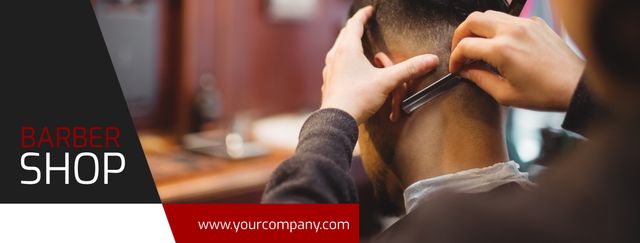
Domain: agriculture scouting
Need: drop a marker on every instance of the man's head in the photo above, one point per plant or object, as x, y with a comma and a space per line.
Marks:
399, 30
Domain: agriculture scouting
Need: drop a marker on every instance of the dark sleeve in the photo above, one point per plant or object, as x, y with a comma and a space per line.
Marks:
318, 172
582, 111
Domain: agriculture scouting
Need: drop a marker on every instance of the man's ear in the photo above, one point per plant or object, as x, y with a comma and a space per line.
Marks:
383, 61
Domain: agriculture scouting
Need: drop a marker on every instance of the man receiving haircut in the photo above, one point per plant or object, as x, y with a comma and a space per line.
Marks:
457, 141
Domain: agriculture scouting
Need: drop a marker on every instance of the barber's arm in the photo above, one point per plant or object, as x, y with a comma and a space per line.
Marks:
319, 170
353, 90
538, 70
582, 110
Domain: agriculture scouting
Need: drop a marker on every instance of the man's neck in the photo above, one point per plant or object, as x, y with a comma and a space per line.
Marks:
441, 141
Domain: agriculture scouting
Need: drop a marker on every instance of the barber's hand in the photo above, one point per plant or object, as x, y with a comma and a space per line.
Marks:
539, 71
352, 84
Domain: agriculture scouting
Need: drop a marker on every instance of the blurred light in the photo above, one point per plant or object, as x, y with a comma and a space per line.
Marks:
292, 10
528, 149
235, 145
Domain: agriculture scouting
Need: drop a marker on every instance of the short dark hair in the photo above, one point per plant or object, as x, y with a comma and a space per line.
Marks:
426, 23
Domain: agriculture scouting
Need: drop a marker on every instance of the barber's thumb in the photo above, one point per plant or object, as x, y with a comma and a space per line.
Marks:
487, 80
411, 68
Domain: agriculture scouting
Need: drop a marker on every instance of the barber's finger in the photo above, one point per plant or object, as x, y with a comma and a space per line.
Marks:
329, 57
409, 69
354, 29
487, 80
324, 73
478, 24
474, 48
396, 102
338, 39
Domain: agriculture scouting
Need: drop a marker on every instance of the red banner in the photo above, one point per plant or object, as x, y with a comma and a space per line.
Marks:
263, 222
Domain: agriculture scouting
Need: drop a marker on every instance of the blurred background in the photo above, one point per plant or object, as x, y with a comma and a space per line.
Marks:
218, 90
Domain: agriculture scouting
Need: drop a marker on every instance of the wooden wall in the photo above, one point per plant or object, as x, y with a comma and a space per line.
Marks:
259, 65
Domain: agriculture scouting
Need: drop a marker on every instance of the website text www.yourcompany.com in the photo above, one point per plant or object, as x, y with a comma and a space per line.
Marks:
290, 226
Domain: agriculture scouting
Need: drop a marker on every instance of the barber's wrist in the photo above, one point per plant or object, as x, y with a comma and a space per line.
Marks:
329, 104
569, 86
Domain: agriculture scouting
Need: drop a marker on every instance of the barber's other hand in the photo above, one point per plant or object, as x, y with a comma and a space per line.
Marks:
539, 71
355, 86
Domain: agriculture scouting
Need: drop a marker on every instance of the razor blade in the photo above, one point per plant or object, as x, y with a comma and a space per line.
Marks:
430, 93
